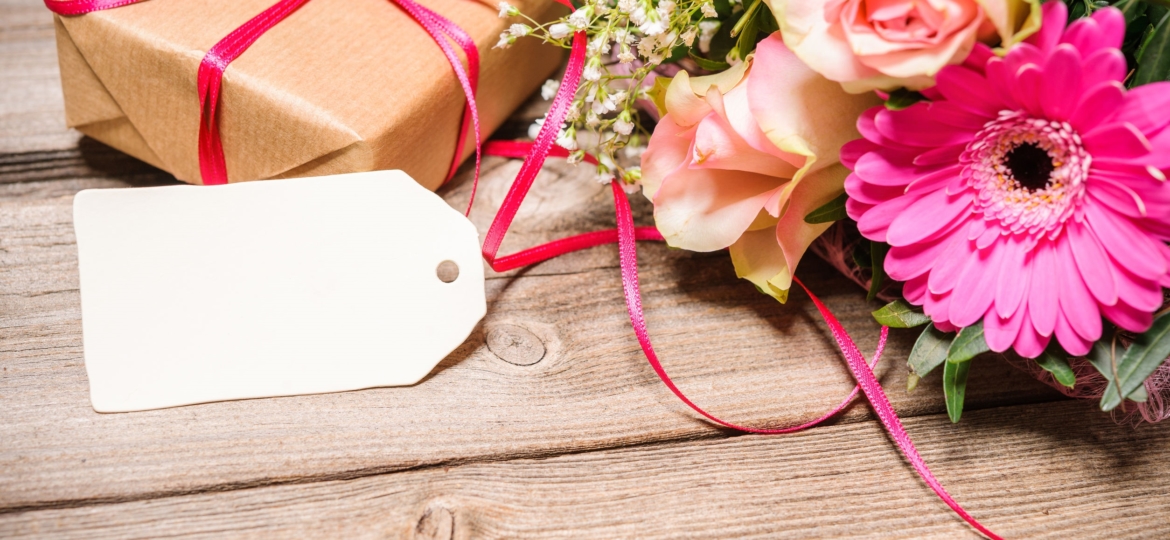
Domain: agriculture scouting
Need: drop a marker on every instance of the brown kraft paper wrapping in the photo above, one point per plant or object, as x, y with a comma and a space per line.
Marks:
339, 86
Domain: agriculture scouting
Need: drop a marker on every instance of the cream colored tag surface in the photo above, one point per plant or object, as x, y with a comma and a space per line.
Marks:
192, 294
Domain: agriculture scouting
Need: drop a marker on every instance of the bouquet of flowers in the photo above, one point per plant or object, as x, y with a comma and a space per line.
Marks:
996, 169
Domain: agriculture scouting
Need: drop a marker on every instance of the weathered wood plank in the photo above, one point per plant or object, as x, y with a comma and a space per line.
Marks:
734, 350
1052, 471
32, 116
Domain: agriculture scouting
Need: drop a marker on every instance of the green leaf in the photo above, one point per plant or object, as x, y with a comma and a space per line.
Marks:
929, 351
899, 314
1154, 57
1138, 362
861, 256
912, 382
833, 210
902, 98
1057, 365
709, 65
749, 28
877, 253
968, 344
955, 388
1140, 395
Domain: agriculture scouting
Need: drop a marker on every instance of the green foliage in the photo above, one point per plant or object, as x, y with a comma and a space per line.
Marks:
1083, 8
1137, 363
1153, 59
955, 388
1055, 361
899, 314
902, 98
877, 254
833, 210
968, 344
709, 65
929, 351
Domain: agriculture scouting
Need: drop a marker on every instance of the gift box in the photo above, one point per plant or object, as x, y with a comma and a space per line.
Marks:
339, 86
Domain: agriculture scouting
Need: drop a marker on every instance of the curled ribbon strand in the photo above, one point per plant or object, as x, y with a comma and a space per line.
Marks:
626, 235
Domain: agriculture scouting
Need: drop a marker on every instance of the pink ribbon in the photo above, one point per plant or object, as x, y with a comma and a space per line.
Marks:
626, 235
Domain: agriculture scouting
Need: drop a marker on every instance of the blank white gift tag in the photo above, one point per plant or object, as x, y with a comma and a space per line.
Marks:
191, 294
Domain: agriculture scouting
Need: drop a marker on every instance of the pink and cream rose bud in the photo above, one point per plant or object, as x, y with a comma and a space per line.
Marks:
887, 44
740, 157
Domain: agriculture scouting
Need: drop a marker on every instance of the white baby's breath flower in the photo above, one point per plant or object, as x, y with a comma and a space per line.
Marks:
506, 40
626, 56
559, 30
638, 16
549, 89
604, 177
627, 6
567, 140
519, 30
592, 120
665, 8
592, 73
707, 31
652, 27
576, 157
631, 187
619, 96
580, 18
574, 113
507, 10
623, 126
708, 10
688, 37
534, 129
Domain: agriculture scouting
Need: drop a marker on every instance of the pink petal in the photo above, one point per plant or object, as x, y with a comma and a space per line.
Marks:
1082, 34
1001, 332
936, 179
975, 290
871, 194
1126, 243
1105, 65
1098, 105
927, 216
719, 146
944, 326
1118, 140
1029, 343
946, 155
1051, 27
965, 88
915, 126
1042, 289
874, 224
1116, 196
1092, 262
1136, 292
707, 210
1072, 342
1147, 107
886, 169
1076, 303
669, 148
987, 237
945, 112
1012, 285
853, 150
914, 290
1027, 89
1061, 85
1129, 318
1000, 80
1112, 24
908, 262
950, 265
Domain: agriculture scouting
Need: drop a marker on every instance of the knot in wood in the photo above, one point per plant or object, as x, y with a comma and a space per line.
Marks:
515, 345
436, 523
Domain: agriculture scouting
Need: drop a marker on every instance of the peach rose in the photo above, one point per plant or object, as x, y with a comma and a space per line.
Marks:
886, 44
740, 157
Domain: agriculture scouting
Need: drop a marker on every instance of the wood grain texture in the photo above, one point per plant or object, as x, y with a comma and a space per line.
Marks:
1051, 471
547, 422
736, 351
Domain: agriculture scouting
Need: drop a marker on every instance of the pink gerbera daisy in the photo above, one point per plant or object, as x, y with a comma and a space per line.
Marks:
1029, 193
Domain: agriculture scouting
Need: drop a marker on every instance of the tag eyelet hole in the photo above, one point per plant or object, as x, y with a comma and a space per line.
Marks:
447, 271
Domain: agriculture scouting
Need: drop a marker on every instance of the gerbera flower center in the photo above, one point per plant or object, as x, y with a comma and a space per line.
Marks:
1030, 165
1028, 173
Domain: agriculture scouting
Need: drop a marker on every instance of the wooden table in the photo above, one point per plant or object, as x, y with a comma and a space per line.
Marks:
547, 422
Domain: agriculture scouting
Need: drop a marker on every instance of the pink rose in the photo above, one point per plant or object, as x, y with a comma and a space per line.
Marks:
886, 44
742, 156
